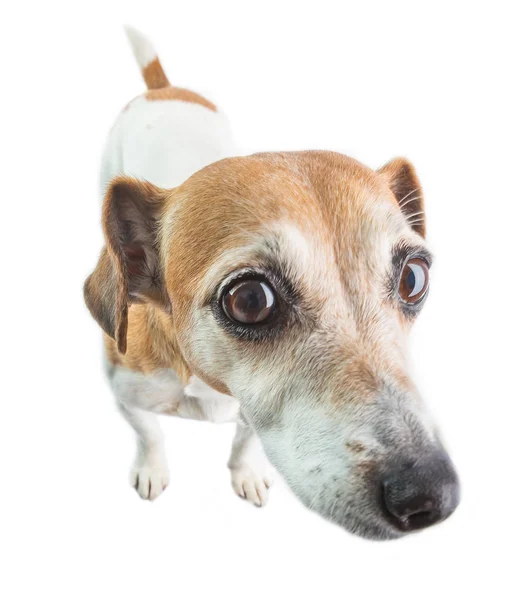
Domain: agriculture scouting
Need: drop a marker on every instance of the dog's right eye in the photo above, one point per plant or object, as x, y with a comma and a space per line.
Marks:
414, 281
250, 302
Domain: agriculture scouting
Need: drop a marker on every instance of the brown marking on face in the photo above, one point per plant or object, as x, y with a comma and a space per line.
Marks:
245, 193
402, 380
221, 208
361, 370
333, 196
154, 75
355, 447
175, 93
365, 469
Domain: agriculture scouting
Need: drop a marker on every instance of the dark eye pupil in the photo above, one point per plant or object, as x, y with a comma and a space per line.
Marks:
414, 281
410, 281
249, 302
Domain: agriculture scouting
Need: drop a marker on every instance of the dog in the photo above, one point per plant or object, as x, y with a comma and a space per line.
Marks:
277, 291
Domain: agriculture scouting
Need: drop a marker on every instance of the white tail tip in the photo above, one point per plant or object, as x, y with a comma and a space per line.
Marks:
143, 50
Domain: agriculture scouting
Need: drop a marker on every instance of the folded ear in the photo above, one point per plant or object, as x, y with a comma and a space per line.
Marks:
405, 186
128, 270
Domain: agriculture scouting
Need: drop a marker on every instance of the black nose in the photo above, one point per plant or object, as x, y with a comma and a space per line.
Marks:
421, 495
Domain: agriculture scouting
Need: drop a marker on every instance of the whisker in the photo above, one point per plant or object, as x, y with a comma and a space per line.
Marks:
315, 499
412, 199
331, 512
415, 214
414, 223
409, 194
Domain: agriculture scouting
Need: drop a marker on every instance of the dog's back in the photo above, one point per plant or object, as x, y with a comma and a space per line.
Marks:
167, 133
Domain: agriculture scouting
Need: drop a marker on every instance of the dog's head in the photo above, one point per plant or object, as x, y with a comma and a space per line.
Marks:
293, 280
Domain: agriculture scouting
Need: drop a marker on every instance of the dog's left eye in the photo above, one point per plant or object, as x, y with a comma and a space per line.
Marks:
249, 302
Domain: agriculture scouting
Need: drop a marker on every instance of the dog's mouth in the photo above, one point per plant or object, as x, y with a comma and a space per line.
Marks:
360, 515
371, 530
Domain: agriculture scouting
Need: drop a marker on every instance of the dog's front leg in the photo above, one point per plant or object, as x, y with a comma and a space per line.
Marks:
140, 399
251, 472
149, 474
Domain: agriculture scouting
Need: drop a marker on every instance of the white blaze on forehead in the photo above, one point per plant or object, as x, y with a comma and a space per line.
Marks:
295, 245
277, 241
304, 253
309, 256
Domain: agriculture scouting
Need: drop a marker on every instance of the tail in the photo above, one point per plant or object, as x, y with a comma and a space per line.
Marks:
146, 57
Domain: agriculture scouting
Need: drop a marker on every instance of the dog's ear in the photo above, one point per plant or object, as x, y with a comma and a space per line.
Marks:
128, 269
404, 184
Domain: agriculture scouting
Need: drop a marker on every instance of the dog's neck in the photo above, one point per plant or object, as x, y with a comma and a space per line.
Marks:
153, 346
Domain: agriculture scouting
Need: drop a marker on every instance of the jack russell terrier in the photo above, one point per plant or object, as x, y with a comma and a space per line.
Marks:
274, 290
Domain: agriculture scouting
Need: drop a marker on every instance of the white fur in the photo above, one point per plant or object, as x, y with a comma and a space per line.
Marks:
164, 141
205, 403
138, 398
141, 397
316, 404
324, 404
142, 48
251, 473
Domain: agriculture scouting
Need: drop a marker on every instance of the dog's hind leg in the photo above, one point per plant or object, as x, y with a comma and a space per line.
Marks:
251, 472
139, 398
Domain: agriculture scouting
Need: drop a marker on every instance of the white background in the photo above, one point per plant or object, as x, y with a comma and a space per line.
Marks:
427, 80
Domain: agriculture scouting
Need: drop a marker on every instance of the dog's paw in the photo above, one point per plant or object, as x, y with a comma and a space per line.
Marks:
252, 483
149, 477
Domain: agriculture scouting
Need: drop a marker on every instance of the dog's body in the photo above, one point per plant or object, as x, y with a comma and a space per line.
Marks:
276, 291
164, 136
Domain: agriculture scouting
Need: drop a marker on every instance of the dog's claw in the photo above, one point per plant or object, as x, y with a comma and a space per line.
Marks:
149, 478
251, 486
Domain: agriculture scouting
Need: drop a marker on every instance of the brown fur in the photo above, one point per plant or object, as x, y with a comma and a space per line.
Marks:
365, 469
175, 93
245, 193
154, 75
294, 186
151, 343
331, 195
356, 447
406, 187
130, 215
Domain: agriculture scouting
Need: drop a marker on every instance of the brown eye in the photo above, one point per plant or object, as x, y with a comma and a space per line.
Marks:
413, 284
249, 302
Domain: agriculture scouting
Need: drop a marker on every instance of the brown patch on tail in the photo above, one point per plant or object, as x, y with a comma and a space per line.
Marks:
154, 76
175, 93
